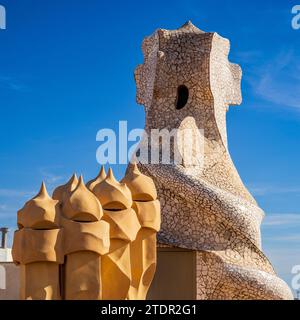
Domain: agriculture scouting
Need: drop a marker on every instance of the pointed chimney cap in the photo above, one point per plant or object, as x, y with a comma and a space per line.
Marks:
189, 26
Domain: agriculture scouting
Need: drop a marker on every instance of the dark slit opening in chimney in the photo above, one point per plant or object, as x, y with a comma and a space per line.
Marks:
182, 96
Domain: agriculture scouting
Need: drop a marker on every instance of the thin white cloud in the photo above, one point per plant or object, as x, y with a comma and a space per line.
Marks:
50, 177
11, 83
249, 56
285, 238
277, 81
7, 213
282, 219
15, 193
261, 190
3, 207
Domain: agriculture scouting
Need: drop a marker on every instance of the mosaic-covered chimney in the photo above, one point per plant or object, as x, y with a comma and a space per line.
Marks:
187, 82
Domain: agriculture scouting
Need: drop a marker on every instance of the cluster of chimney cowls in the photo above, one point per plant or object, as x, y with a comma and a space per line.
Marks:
89, 241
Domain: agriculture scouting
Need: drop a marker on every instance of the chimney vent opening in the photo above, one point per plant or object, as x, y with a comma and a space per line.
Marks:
182, 97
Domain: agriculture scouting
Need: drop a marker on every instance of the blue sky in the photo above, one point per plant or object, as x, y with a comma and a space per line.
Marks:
66, 71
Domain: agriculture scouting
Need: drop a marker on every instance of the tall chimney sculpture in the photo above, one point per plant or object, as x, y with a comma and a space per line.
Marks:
37, 248
116, 200
186, 81
86, 240
143, 248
